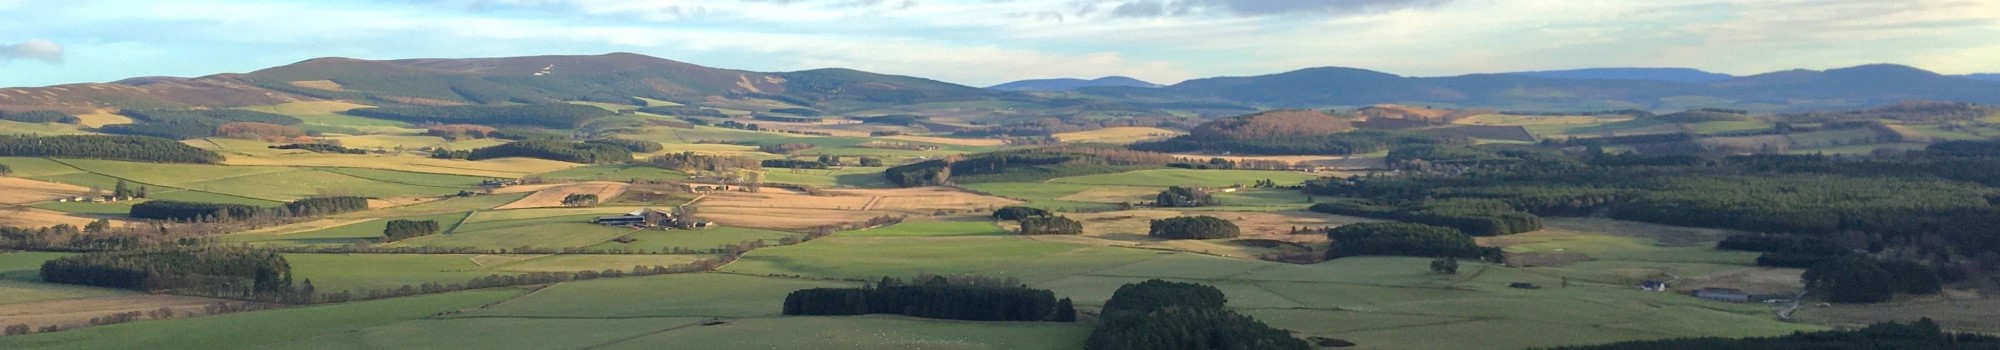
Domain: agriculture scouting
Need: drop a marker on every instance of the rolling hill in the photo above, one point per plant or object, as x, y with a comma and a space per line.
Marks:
1677, 75
619, 77
1982, 76
1067, 84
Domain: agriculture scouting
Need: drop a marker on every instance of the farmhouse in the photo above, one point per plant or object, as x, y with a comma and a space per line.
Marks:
653, 218
1723, 294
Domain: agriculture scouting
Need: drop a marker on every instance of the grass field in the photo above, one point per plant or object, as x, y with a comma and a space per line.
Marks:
16, 292
346, 232
327, 113
961, 227
1706, 128
550, 232
682, 295
615, 172
661, 240
24, 266
874, 257
257, 330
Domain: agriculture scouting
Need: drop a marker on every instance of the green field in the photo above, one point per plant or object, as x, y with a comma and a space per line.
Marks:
358, 272
555, 232
361, 232
932, 229
681, 295
867, 333
1706, 128
258, 330
615, 172
710, 238
1059, 195
24, 266
875, 257
864, 177
16, 292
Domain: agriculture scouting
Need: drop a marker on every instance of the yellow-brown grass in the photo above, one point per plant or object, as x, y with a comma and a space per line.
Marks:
553, 197
411, 162
787, 219
100, 118
949, 140
18, 191
32, 217
1955, 310
327, 85
1120, 135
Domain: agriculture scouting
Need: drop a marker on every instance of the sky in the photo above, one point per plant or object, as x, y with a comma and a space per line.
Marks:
986, 42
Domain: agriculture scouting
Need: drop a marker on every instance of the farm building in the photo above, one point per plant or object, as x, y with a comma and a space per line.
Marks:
1653, 286
652, 218
1723, 294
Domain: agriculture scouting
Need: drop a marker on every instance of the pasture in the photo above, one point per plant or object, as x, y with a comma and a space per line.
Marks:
978, 226
258, 330
1190, 178
710, 238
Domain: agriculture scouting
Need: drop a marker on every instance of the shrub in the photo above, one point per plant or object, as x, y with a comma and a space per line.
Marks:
398, 230
1050, 225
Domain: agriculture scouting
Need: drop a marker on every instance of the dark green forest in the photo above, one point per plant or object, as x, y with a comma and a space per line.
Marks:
932, 300
573, 152
1193, 227
132, 148
39, 117
206, 271
1403, 239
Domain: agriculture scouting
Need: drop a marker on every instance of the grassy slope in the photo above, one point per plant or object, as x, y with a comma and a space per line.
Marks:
256, 330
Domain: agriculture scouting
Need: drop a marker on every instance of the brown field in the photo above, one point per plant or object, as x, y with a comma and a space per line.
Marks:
78, 312
32, 217
1761, 280
1117, 135
314, 225
1113, 194
327, 85
553, 196
787, 219
1961, 311
949, 140
18, 191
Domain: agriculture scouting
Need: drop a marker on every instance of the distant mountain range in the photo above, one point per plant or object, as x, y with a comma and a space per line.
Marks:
1983, 76
619, 77
1067, 84
1678, 75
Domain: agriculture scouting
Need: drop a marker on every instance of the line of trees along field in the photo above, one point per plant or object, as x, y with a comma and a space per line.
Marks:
1162, 315
553, 115
1933, 206
208, 271
182, 124
200, 211
635, 146
1478, 217
1193, 227
1403, 239
113, 147
1027, 165
692, 162
573, 152
937, 298
39, 117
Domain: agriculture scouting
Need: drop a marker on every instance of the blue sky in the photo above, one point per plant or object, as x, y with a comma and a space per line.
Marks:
984, 42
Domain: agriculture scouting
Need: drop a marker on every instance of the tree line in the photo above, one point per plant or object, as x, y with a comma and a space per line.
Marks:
936, 298
552, 115
182, 124
39, 117
573, 152
636, 146
1471, 216
209, 271
1184, 197
1028, 165
320, 148
1162, 315
1404, 239
113, 147
693, 162
201, 211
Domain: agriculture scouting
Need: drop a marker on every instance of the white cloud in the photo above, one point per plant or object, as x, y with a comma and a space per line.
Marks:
33, 49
